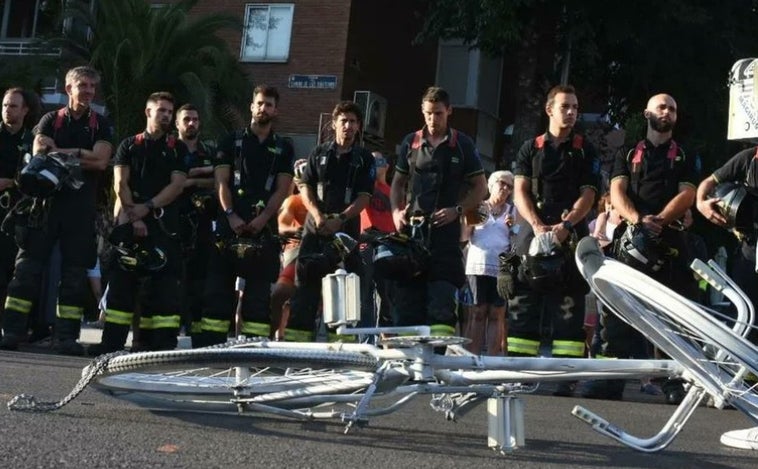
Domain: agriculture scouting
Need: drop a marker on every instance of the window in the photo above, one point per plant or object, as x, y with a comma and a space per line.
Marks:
26, 19
267, 32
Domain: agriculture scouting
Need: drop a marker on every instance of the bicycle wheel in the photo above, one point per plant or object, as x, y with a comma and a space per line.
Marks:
716, 358
227, 378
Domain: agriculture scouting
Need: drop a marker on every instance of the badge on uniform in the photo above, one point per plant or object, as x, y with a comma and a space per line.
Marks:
348, 195
269, 182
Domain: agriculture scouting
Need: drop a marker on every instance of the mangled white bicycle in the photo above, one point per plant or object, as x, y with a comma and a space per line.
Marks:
355, 382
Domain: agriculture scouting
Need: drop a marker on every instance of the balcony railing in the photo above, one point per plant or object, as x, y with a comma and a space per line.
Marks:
22, 47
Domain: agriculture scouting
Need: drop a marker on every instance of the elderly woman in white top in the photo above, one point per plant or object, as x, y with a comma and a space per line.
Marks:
486, 326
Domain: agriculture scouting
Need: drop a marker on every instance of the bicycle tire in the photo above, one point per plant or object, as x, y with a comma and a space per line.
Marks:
205, 379
713, 354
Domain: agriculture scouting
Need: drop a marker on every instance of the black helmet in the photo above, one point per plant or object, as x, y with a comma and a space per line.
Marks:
249, 254
737, 205
46, 174
42, 177
313, 266
400, 257
544, 272
640, 249
138, 255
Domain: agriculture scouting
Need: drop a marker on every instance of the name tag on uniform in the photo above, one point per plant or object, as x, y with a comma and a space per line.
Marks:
348, 195
269, 182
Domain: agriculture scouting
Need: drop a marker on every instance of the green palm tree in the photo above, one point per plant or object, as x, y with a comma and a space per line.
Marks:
139, 50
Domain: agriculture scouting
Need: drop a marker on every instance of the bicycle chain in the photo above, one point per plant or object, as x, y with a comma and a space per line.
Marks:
28, 403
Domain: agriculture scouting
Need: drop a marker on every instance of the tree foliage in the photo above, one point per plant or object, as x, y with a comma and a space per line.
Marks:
140, 50
619, 53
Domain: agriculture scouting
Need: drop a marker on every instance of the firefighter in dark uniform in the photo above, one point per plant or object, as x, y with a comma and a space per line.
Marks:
69, 217
554, 189
198, 208
652, 185
15, 144
253, 171
336, 185
444, 177
742, 169
149, 175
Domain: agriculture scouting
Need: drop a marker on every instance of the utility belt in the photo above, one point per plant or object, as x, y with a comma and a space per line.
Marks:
199, 202
251, 255
165, 219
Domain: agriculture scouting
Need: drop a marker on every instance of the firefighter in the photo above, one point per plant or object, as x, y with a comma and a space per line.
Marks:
652, 188
335, 187
438, 177
67, 216
15, 144
554, 188
198, 207
253, 173
149, 175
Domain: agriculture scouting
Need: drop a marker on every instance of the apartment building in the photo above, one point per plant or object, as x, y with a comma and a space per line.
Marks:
319, 52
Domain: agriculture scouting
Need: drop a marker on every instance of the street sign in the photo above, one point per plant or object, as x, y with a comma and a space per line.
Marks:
316, 82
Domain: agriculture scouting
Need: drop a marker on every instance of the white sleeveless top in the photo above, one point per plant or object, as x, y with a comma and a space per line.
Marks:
487, 241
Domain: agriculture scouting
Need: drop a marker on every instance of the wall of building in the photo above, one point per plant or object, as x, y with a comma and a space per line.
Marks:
382, 58
319, 36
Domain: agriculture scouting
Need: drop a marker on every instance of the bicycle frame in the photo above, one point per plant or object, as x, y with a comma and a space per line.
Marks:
620, 279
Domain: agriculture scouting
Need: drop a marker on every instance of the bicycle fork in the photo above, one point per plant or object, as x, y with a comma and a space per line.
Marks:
656, 442
358, 415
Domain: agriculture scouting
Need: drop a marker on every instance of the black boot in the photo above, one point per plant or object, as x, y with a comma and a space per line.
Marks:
209, 338
14, 329
66, 335
113, 340
164, 338
608, 389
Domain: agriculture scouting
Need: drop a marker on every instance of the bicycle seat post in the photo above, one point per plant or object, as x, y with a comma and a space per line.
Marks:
505, 422
421, 370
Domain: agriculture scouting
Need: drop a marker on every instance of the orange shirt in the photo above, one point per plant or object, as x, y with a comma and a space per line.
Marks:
379, 211
291, 217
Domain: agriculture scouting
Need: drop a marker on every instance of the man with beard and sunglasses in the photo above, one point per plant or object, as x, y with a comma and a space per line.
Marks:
149, 174
253, 170
652, 186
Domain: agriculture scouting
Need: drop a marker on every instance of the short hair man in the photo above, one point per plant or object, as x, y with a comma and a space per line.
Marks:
149, 175
554, 188
438, 176
80, 132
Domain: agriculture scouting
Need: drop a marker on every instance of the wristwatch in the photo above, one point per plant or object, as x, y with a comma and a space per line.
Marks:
459, 210
150, 205
567, 224
228, 211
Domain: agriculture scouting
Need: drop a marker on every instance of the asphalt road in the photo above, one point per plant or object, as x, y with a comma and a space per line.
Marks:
96, 430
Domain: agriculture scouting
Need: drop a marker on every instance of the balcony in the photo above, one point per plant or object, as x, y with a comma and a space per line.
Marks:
26, 47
